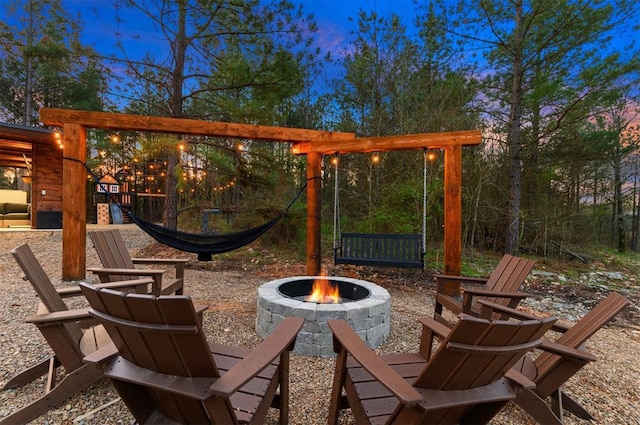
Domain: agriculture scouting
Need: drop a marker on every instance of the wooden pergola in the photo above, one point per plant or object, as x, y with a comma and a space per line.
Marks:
312, 143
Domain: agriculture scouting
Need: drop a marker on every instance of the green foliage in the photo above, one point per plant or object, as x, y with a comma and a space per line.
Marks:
44, 63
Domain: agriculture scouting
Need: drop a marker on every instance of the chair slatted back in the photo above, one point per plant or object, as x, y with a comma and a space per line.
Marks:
65, 338
112, 251
508, 276
550, 365
476, 353
162, 334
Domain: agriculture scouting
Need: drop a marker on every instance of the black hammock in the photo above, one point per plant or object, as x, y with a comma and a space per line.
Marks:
203, 245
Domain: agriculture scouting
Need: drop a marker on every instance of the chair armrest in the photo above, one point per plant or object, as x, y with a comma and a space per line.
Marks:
566, 352
442, 280
440, 330
519, 379
496, 294
160, 260
345, 338
430, 329
488, 307
101, 355
281, 339
75, 291
468, 294
132, 272
177, 263
59, 317
468, 279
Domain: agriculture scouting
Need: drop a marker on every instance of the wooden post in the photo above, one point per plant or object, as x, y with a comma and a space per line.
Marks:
452, 215
74, 205
314, 169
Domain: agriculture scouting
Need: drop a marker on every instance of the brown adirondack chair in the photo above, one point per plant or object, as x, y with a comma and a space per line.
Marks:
62, 329
165, 370
463, 382
500, 287
117, 264
559, 360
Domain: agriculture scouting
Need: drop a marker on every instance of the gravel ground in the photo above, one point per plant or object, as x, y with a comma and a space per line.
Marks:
609, 388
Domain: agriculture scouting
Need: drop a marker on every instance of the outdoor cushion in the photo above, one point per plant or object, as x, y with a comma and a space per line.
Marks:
11, 207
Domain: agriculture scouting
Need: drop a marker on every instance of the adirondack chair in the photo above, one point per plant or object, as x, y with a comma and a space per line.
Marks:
559, 360
117, 264
62, 329
462, 382
500, 287
165, 370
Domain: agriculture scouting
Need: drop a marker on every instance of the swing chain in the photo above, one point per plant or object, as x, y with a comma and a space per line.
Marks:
336, 206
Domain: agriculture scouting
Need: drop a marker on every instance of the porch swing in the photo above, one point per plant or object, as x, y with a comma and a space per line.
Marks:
376, 249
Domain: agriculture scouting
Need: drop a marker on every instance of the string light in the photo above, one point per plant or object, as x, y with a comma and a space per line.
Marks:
225, 186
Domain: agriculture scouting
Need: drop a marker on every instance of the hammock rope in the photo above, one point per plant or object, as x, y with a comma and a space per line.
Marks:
203, 245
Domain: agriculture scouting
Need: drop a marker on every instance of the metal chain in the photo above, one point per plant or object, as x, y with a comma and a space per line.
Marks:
336, 206
424, 204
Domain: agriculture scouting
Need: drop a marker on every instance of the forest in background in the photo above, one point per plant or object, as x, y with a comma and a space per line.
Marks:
555, 98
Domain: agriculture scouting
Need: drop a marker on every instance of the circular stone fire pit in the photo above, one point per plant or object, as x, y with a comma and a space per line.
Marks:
364, 305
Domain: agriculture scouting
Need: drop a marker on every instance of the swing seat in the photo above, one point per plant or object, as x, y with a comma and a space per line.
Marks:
383, 250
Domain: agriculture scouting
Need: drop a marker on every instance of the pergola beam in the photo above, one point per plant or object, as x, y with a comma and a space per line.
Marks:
392, 143
128, 122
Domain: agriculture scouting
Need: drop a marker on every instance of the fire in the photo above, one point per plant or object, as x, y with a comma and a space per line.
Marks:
324, 292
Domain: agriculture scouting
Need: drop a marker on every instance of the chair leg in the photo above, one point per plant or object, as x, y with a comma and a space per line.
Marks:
536, 407
28, 375
569, 404
73, 383
283, 397
51, 376
336, 390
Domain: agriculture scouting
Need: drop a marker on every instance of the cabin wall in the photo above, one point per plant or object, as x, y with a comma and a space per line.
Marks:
46, 186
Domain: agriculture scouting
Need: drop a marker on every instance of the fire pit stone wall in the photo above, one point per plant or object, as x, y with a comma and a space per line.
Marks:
369, 317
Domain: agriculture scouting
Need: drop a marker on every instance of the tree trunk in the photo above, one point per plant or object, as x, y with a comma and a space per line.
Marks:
619, 207
179, 49
513, 139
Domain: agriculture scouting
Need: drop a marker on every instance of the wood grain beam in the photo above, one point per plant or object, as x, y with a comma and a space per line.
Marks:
31, 134
391, 143
15, 146
12, 162
129, 122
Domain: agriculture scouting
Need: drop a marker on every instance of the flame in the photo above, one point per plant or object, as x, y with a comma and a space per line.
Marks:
325, 292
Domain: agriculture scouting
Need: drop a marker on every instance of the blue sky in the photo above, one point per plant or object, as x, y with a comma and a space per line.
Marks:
101, 29
330, 15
